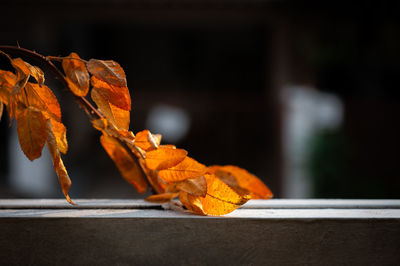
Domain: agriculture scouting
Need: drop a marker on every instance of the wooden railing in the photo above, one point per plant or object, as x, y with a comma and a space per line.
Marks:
134, 232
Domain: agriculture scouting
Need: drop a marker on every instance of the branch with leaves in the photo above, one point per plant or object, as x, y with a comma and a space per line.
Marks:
141, 159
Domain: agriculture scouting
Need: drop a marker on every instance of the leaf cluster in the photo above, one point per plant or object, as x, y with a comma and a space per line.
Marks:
141, 159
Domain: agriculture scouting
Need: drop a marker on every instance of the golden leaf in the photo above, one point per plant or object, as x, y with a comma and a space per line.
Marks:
127, 166
60, 134
186, 169
109, 71
242, 181
119, 117
23, 74
162, 198
220, 198
76, 74
63, 178
36, 73
147, 141
194, 186
163, 158
31, 128
7, 82
118, 96
43, 99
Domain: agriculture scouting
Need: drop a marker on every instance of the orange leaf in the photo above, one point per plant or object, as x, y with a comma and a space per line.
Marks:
186, 169
127, 166
118, 96
63, 178
109, 71
60, 134
147, 141
77, 75
162, 198
239, 179
220, 198
23, 74
119, 117
31, 128
43, 99
163, 158
36, 73
1, 109
7, 82
194, 186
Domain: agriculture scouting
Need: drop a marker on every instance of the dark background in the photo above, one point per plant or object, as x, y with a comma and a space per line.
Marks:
224, 63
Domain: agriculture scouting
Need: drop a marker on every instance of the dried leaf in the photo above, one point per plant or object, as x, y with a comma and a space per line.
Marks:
186, 169
125, 163
242, 181
63, 178
147, 141
162, 198
118, 96
1, 109
43, 99
23, 74
31, 128
36, 73
119, 117
77, 75
220, 198
163, 158
60, 134
194, 186
7, 82
109, 71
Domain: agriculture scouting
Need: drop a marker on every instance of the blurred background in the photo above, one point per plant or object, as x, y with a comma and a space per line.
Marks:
304, 94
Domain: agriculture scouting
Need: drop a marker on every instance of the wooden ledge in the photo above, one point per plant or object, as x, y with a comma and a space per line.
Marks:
135, 232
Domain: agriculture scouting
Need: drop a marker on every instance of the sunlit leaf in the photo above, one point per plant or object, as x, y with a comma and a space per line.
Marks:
7, 82
127, 166
162, 198
194, 186
31, 128
43, 99
119, 117
76, 74
220, 198
241, 180
186, 169
36, 73
63, 178
118, 96
163, 158
23, 74
60, 134
1, 109
109, 71
147, 141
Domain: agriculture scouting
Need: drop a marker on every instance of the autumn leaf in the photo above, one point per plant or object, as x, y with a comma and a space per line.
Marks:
76, 75
163, 158
63, 178
194, 186
220, 198
162, 198
108, 71
7, 82
147, 141
242, 181
119, 117
36, 73
1, 109
60, 134
186, 169
31, 128
43, 99
118, 96
23, 74
127, 166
